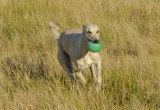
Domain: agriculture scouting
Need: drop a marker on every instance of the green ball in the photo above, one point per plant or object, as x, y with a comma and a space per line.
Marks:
94, 47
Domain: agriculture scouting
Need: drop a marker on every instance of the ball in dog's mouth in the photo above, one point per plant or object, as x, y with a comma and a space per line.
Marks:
94, 46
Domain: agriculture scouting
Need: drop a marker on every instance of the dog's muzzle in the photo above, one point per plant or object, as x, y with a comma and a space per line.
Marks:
94, 40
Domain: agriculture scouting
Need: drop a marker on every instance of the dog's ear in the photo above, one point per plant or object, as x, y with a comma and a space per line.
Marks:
84, 27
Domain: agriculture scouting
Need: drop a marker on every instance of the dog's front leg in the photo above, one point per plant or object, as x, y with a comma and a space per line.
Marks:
93, 72
96, 74
99, 77
80, 76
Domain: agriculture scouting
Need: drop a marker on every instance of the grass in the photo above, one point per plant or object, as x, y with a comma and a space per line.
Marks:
31, 77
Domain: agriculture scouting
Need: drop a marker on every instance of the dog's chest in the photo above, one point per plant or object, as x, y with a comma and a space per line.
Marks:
85, 62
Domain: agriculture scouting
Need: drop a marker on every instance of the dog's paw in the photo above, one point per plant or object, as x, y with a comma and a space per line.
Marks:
51, 25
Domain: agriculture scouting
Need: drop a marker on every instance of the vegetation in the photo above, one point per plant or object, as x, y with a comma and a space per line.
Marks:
31, 77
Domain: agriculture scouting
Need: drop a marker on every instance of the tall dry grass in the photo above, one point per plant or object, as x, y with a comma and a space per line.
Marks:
31, 78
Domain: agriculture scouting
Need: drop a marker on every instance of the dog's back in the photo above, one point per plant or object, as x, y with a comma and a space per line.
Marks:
70, 38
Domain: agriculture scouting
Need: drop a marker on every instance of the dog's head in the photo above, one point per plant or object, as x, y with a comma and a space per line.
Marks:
91, 32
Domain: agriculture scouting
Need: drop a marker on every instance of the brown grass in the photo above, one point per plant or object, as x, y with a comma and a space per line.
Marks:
31, 78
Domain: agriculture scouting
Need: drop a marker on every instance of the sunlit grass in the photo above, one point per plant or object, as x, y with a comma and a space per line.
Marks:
31, 78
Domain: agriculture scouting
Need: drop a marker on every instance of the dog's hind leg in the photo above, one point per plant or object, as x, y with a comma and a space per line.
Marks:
65, 61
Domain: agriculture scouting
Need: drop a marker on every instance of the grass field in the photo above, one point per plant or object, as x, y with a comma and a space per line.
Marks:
32, 79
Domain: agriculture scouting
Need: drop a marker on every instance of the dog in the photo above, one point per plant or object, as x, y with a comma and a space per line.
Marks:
73, 54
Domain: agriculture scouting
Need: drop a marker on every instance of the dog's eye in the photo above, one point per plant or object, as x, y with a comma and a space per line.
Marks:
89, 32
97, 32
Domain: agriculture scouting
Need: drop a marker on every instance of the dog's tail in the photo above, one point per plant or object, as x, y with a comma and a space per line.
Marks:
54, 28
